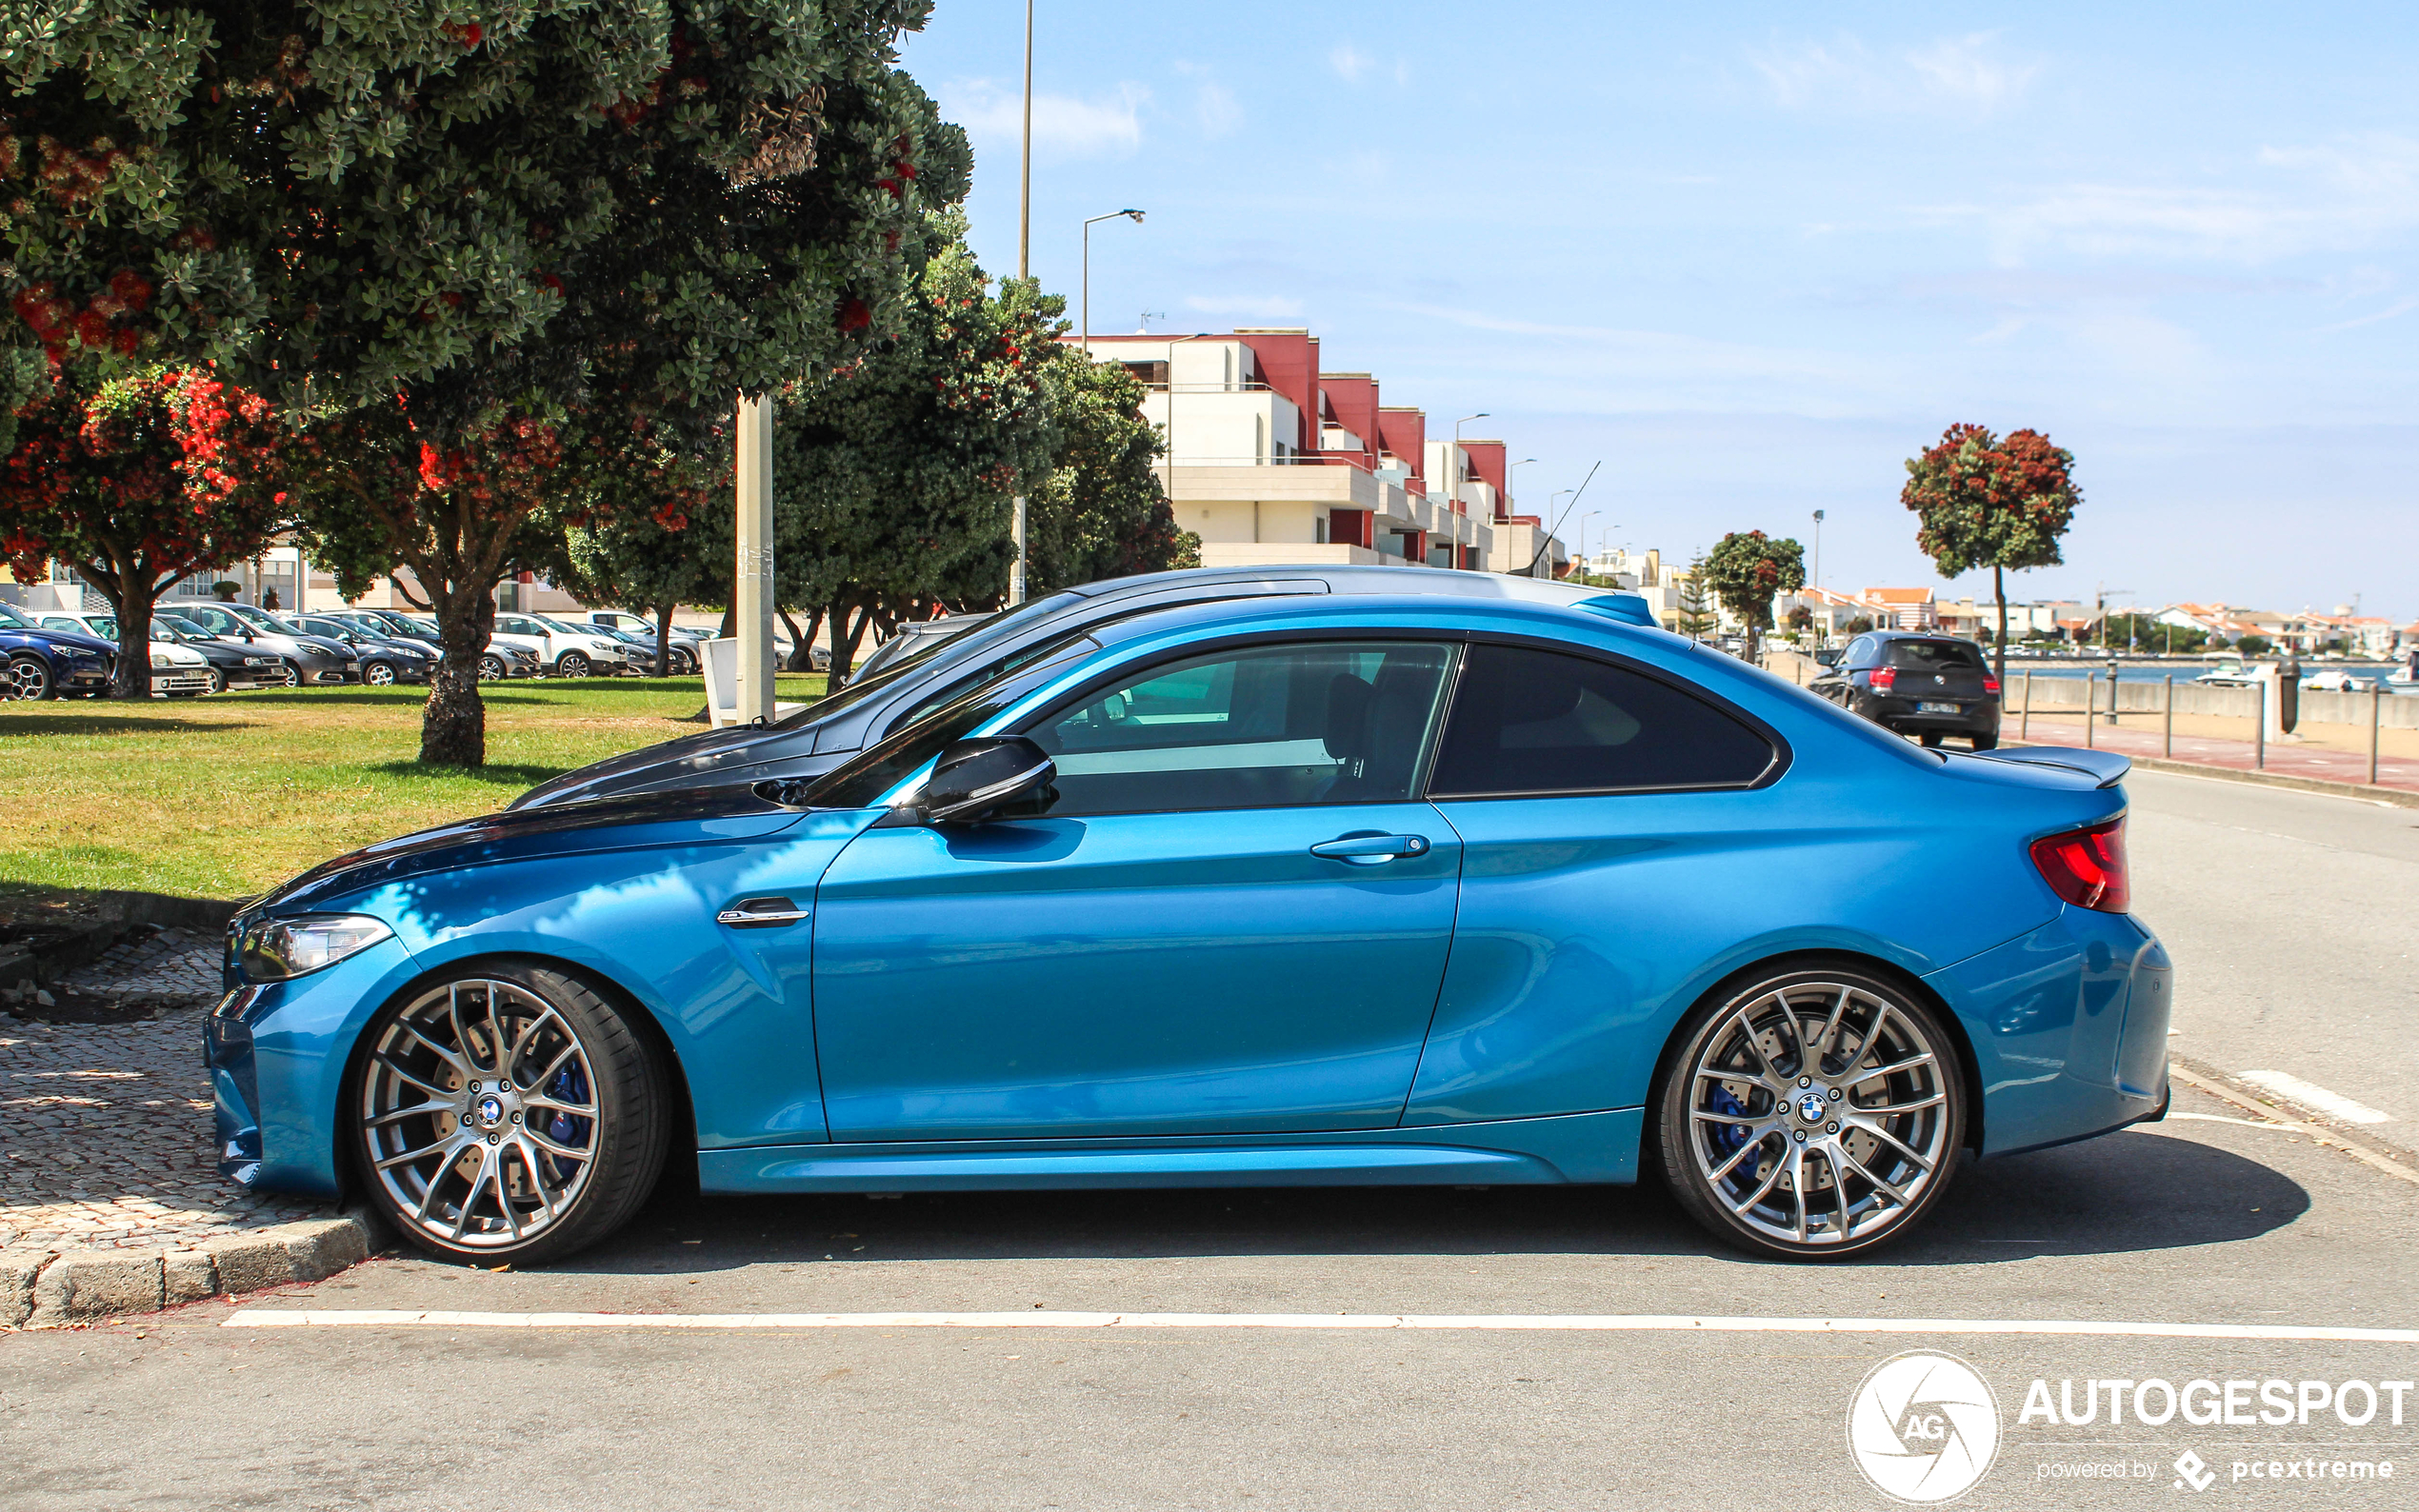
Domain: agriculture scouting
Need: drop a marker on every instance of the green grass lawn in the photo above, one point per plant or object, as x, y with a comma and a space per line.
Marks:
224, 797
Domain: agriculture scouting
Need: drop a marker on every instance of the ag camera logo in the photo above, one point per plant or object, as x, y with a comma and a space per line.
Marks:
1923, 1427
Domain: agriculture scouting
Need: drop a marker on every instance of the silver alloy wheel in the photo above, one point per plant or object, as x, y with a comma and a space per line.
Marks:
288, 675
29, 677
378, 674
490, 669
478, 1108
1819, 1115
572, 665
217, 681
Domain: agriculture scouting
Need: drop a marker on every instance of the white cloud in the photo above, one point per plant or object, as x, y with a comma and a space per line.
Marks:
1972, 74
1215, 108
1270, 306
1108, 123
1350, 62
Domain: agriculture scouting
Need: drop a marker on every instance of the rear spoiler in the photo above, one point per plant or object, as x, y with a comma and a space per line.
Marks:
2106, 768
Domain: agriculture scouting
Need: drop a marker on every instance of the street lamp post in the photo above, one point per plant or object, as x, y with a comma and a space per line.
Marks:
1134, 217
1023, 270
1826, 638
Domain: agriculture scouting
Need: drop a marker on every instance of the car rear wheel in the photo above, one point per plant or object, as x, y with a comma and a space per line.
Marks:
571, 665
1815, 1114
491, 668
1986, 742
29, 677
1931, 739
508, 1114
378, 674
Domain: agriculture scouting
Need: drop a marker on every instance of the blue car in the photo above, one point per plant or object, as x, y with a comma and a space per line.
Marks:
36, 663
1294, 890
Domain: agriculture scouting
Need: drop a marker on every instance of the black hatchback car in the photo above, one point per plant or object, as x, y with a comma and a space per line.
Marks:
1926, 686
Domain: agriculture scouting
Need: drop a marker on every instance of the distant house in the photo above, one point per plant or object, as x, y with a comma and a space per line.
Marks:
1905, 609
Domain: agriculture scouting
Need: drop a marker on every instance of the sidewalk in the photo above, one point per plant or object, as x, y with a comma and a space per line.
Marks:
2285, 759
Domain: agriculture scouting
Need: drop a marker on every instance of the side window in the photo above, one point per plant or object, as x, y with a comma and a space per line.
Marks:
1264, 727
1531, 721
218, 621
1861, 651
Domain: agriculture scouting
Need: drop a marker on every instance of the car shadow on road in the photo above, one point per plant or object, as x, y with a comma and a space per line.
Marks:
2124, 1193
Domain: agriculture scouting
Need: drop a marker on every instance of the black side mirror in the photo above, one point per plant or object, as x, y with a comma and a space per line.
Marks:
974, 778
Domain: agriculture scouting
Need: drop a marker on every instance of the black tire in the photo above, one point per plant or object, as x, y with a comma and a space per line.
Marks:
378, 674
1985, 741
29, 677
1931, 739
288, 675
626, 1131
571, 664
1744, 1190
683, 665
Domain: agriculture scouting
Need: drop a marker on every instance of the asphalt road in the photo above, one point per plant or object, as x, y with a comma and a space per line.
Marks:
2208, 1219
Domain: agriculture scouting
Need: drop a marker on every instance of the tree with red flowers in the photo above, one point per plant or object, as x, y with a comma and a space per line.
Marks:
1745, 569
1983, 501
468, 233
138, 482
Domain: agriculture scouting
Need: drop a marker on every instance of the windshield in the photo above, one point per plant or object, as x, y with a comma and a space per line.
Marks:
567, 628
971, 643
1933, 655
864, 777
10, 619
258, 619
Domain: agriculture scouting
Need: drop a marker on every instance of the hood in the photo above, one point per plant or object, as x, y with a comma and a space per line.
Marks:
687, 817
700, 758
72, 640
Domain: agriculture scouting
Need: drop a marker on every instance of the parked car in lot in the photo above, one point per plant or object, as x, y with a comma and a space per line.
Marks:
504, 656
1926, 686
1293, 890
310, 660
384, 660
568, 649
39, 663
230, 664
177, 669
825, 733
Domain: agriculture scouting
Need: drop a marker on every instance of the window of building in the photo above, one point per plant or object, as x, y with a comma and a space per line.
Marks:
1260, 727
1529, 721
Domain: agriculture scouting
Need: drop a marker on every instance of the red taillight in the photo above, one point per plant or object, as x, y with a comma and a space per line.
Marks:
2087, 866
1990, 685
1883, 678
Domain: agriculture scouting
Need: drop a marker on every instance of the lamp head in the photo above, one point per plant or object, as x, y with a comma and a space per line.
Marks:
1134, 217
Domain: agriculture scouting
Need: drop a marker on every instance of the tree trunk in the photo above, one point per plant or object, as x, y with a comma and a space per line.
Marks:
800, 641
453, 729
848, 626
664, 641
1999, 591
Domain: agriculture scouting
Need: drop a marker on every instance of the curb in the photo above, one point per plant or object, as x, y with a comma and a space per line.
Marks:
2399, 797
45, 1289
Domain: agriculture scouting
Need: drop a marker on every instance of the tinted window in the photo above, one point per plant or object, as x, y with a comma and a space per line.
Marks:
218, 619
1860, 653
1539, 721
1930, 656
1260, 727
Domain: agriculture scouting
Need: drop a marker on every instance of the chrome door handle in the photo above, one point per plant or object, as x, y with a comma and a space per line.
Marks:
759, 913
1372, 850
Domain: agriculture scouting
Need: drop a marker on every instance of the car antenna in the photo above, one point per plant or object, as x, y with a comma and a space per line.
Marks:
1532, 569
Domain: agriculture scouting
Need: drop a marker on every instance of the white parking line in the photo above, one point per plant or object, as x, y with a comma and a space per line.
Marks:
1514, 1323
2316, 1099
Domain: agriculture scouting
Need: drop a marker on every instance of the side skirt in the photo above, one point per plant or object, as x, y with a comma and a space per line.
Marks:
1509, 1152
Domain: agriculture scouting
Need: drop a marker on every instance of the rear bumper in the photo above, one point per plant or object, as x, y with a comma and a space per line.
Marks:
1901, 714
2069, 1026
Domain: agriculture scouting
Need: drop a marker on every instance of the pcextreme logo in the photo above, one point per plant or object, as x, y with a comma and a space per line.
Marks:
1924, 1427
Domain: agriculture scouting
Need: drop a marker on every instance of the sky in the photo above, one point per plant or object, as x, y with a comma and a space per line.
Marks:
1751, 258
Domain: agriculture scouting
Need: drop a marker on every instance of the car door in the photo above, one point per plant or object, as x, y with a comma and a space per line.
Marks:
1232, 919
1619, 828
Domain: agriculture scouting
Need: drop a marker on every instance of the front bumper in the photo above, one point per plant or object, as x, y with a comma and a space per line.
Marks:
277, 1056
2069, 1026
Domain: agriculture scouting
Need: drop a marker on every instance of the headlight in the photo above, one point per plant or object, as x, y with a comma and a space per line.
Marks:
260, 661
161, 663
274, 950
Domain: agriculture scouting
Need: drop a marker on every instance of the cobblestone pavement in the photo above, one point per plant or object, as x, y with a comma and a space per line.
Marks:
106, 1140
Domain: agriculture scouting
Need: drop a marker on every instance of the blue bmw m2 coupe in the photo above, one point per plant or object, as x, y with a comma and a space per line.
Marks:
1311, 889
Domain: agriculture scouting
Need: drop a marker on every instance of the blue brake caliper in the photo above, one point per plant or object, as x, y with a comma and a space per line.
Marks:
569, 1086
1727, 1137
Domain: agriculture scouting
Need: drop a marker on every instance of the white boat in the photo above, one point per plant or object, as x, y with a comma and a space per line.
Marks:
2334, 680
2231, 671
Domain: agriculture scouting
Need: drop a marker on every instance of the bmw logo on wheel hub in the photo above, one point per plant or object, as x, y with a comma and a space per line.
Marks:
1812, 1104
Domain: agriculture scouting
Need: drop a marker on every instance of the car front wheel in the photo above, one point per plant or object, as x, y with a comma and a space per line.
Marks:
378, 674
29, 677
217, 681
286, 675
1815, 1114
508, 1114
572, 665
491, 668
